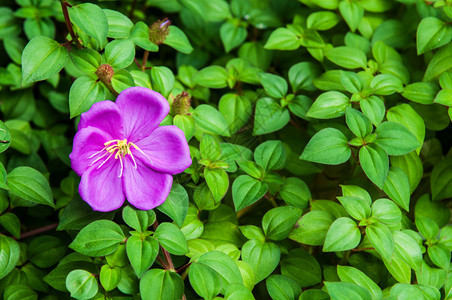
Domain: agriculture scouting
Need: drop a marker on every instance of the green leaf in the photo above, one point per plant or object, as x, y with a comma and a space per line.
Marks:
176, 205
218, 182
434, 210
387, 212
427, 227
322, 20
270, 155
386, 84
236, 110
347, 57
19, 291
246, 190
45, 251
408, 249
344, 290
30, 185
238, 291
120, 53
210, 120
86, 60
140, 37
441, 62
329, 105
395, 138
99, 238
381, 238
328, 146
158, 283
282, 287
444, 97
232, 34
356, 191
41, 59
171, 238
251, 168
399, 269
411, 165
11, 223
342, 235
299, 261
5, 135
84, 92
10, 252
373, 108
263, 257
356, 207
212, 77
375, 163
282, 39
81, 284
352, 82
122, 80
397, 187
177, 39
358, 123
210, 148
301, 76
91, 19
142, 252
353, 275
275, 86
429, 276
295, 192
441, 180
352, 13
204, 280
119, 26
278, 222
162, 80
109, 277
432, 33
138, 219
269, 116
186, 124
311, 229
421, 92
223, 265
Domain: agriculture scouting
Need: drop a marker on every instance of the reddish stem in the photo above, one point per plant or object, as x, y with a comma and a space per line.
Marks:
169, 265
38, 231
67, 20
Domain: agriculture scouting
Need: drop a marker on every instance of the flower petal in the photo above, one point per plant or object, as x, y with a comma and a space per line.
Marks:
143, 110
144, 187
101, 187
87, 142
166, 149
106, 116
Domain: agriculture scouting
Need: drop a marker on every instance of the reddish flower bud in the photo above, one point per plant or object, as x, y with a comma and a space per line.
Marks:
182, 104
159, 31
105, 73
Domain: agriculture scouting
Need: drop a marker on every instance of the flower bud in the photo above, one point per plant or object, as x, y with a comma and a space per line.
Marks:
182, 103
105, 73
159, 31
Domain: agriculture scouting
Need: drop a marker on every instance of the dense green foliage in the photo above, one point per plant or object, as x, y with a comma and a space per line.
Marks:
319, 131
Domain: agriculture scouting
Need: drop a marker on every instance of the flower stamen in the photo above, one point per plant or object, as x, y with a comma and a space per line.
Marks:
120, 148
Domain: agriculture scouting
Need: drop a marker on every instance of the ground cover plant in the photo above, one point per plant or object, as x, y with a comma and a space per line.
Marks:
303, 152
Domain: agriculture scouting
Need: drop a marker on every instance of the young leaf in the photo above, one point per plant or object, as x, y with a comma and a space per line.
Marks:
81, 284
408, 249
218, 182
210, 148
278, 222
373, 108
270, 155
204, 280
328, 146
347, 57
395, 138
295, 192
141, 253
432, 33
177, 39
356, 207
375, 163
157, 282
329, 105
232, 34
212, 77
274, 85
171, 238
210, 120
269, 116
397, 187
342, 235
311, 229
109, 277
246, 190
223, 265
91, 19
382, 239
358, 123
282, 39
84, 92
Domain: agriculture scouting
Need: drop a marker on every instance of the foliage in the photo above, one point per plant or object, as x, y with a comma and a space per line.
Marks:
319, 133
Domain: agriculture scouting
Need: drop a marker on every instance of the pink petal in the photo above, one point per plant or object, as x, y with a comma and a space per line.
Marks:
142, 110
166, 149
144, 187
87, 142
104, 115
102, 188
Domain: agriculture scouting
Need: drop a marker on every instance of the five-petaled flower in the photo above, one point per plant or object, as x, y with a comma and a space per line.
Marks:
120, 151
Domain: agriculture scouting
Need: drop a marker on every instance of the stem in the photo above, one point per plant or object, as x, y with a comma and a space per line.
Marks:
145, 60
109, 86
38, 231
132, 9
67, 20
137, 62
162, 262
169, 265
363, 249
183, 267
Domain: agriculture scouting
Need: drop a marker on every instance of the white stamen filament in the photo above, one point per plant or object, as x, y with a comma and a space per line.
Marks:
120, 148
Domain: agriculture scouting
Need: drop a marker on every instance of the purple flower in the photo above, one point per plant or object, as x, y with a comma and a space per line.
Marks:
121, 152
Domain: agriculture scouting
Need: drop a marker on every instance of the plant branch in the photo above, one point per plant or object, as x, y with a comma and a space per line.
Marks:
38, 231
169, 265
145, 60
67, 20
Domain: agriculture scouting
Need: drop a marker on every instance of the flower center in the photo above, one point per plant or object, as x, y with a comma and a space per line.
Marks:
118, 148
